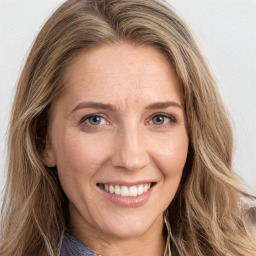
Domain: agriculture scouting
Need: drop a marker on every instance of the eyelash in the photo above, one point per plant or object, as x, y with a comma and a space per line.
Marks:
172, 119
85, 118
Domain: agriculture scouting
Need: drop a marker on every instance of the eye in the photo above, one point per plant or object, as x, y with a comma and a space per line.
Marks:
162, 120
158, 120
94, 120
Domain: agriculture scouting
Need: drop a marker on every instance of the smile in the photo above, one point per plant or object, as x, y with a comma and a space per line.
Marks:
126, 191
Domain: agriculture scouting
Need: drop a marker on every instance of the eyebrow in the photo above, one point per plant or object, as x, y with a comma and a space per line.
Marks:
162, 105
98, 105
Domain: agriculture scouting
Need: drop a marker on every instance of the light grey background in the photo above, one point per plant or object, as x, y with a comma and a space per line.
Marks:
225, 30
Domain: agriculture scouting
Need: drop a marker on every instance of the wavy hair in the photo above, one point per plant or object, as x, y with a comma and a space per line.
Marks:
208, 215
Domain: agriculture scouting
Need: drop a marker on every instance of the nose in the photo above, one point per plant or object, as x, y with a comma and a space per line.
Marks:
130, 152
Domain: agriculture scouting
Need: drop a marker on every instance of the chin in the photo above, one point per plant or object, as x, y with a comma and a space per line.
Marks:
128, 233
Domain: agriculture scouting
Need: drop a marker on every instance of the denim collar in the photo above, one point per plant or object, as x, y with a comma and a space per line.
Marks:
72, 247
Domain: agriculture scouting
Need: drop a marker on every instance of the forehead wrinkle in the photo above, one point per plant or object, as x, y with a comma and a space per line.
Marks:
131, 102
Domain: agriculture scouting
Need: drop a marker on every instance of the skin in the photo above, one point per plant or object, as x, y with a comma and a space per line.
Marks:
128, 145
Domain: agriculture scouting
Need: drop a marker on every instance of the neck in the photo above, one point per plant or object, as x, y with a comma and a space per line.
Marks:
131, 248
150, 243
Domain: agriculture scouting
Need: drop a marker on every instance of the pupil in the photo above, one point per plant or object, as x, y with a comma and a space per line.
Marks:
158, 120
94, 120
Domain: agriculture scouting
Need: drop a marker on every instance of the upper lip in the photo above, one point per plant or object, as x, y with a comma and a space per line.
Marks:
127, 183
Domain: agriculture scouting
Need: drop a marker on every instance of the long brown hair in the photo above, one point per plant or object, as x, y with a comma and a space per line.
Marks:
208, 215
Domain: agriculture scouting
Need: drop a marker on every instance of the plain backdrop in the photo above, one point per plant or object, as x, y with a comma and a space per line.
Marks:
225, 30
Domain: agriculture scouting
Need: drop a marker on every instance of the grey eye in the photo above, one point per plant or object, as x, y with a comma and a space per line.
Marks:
94, 120
158, 120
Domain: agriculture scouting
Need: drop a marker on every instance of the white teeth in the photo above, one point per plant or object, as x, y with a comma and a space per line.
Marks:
133, 191
117, 190
146, 187
111, 189
140, 190
125, 190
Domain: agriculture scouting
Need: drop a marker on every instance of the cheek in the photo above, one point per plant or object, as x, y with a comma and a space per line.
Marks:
79, 159
171, 155
80, 155
172, 164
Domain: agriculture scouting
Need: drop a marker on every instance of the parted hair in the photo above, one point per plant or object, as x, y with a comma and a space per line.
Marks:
208, 215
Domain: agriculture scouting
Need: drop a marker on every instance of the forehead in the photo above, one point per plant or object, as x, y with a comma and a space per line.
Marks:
122, 73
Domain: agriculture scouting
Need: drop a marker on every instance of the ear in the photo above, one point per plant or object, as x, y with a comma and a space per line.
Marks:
48, 154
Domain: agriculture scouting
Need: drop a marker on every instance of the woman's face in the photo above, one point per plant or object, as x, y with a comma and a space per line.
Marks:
118, 138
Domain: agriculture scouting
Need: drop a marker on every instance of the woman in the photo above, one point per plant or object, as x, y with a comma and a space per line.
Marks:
119, 142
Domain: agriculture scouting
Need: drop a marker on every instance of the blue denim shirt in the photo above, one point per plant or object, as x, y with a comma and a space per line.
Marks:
72, 247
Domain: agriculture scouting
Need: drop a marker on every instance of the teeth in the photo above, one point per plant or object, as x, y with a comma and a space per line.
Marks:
111, 189
125, 190
146, 187
117, 190
133, 191
140, 190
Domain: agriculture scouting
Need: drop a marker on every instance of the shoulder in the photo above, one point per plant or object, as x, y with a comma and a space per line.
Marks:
72, 247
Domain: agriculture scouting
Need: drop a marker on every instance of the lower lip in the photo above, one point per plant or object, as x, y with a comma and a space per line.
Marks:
128, 201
